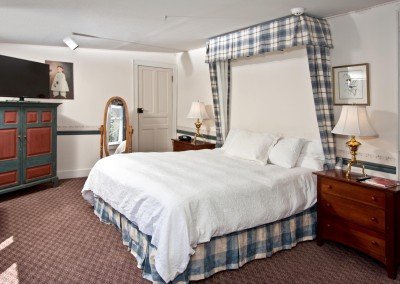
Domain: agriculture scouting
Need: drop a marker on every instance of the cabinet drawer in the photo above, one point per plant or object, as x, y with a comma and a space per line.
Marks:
183, 147
355, 212
366, 241
365, 195
187, 146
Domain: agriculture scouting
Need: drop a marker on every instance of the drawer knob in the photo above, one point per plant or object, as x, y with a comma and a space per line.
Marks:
374, 243
328, 225
373, 219
329, 186
328, 205
374, 198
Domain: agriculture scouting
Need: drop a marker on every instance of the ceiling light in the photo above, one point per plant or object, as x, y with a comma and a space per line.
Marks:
297, 11
70, 42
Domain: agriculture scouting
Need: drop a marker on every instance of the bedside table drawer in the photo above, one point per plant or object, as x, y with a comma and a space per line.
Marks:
358, 193
355, 212
178, 147
352, 236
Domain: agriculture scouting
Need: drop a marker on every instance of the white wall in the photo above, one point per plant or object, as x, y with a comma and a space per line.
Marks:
98, 75
370, 36
273, 93
193, 84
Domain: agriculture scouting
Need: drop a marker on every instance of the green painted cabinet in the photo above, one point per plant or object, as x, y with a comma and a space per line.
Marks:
28, 144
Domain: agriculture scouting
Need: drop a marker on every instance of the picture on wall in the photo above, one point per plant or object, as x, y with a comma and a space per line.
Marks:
61, 80
351, 84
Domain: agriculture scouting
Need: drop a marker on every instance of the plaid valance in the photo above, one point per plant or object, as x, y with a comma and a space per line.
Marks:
270, 36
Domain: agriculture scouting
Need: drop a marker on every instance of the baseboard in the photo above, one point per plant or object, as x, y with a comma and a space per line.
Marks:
73, 173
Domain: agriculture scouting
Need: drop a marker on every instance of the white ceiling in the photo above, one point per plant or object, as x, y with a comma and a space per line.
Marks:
188, 25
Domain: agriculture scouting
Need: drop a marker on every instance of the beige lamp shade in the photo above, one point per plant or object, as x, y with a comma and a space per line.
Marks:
353, 121
198, 111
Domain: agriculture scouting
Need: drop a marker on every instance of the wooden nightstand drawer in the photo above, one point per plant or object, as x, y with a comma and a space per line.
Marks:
179, 146
367, 216
362, 194
364, 240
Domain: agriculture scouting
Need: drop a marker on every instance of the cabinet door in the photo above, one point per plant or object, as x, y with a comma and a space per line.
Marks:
39, 144
10, 146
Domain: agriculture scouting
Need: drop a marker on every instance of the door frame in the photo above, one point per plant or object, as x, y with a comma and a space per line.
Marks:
398, 87
135, 117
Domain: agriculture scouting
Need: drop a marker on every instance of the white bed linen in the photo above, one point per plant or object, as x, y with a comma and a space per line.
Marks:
182, 199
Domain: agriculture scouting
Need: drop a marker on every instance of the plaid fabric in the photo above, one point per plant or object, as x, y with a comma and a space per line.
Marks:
221, 98
320, 73
274, 35
277, 35
220, 253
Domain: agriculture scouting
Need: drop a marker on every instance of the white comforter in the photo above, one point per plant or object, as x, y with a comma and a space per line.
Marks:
182, 199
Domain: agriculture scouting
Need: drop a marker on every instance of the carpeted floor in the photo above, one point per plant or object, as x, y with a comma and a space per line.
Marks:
50, 235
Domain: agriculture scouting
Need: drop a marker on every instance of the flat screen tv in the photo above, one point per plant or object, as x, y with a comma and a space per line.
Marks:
23, 78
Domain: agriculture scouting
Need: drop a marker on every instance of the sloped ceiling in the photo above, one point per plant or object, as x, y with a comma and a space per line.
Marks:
157, 25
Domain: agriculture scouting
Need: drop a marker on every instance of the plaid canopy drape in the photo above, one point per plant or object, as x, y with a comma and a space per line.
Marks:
270, 36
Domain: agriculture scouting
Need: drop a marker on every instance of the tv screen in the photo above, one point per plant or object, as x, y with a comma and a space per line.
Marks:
23, 78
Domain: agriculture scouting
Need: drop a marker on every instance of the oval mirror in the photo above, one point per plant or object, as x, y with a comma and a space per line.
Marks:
116, 132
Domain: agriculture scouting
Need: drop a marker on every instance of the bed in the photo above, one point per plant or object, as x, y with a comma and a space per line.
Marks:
188, 215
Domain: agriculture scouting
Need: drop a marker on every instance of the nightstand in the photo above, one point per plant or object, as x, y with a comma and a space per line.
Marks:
187, 146
359, 215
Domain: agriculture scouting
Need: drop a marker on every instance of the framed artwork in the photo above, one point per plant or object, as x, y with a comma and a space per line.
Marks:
61, 80
351, 84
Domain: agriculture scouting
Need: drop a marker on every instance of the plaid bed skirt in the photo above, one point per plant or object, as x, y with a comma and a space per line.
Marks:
220, 253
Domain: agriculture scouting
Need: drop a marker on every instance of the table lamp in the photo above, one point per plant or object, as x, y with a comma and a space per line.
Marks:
198, 112
353, 121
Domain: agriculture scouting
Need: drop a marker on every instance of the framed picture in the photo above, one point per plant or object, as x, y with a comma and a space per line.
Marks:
351, 84
61, 80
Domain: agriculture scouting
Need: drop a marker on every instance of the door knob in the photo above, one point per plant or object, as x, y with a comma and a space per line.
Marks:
139, 110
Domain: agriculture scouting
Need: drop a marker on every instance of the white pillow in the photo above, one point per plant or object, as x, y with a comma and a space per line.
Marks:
286, 152
251, 146
313, 148
310, 162
229, 138
312, 156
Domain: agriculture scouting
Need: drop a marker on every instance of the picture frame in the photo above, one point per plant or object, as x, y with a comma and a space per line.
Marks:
351, 84
61, 80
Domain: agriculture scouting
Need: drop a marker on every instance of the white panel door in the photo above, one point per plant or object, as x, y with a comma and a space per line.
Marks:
155, 98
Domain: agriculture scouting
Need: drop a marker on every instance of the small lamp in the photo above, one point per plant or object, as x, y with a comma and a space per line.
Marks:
198, 112
353, 121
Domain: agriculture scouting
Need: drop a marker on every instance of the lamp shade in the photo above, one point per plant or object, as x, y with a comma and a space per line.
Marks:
354, 121
198, 110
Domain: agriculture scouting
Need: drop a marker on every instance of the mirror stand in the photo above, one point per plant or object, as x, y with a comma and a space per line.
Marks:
116, 132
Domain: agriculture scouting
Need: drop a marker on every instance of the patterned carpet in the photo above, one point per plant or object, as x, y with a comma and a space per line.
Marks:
50, 235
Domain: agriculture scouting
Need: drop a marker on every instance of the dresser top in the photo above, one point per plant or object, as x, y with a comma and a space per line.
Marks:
198, 142
340, 175
28, 104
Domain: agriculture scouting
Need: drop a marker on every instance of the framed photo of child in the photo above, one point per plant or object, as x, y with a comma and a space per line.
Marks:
61, 80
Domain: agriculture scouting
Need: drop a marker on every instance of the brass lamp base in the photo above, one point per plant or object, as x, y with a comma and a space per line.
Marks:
353, 145
198, 124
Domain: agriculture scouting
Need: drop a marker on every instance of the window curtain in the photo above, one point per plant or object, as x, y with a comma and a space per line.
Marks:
220, 74
276, 35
